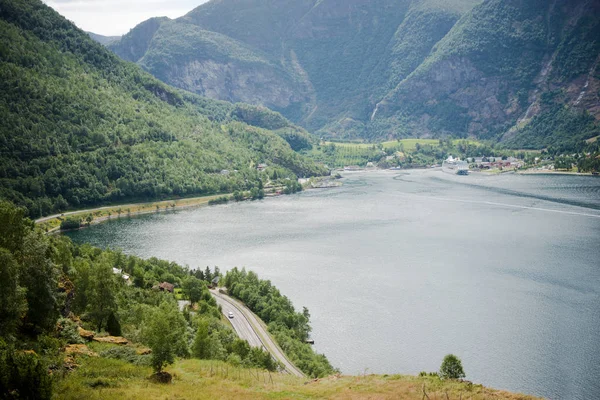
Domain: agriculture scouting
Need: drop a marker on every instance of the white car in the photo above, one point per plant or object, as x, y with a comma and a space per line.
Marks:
230, 315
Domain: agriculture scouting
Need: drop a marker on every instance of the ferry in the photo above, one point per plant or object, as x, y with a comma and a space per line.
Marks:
455, 166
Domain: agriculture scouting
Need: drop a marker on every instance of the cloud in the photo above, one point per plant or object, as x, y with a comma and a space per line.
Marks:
117, 17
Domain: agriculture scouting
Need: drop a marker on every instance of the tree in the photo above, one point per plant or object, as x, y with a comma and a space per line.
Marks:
208, 276
451, 368
164, 331
192, 288
101, 297
12, 296
82, 283
13, 227
201, 345
23, 375
38, 276
113, 327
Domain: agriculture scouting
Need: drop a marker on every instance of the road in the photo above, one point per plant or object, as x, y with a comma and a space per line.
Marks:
249, 327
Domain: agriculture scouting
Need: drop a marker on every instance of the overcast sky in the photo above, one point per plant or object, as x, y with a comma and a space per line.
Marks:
117, 17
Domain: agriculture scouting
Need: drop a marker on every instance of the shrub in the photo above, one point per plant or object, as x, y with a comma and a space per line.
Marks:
125, 353
113, 326
23, 374
219, 200
70, 223
67, 330
451, 368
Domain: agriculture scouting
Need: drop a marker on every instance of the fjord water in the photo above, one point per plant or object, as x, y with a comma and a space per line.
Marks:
400, 268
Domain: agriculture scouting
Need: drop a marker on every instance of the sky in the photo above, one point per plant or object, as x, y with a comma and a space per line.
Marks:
117, 17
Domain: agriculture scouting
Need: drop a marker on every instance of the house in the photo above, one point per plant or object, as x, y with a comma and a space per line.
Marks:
123, 275
261, 167
166, 287
215, 282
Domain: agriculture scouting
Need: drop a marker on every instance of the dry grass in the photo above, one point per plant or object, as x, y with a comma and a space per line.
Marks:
99, 378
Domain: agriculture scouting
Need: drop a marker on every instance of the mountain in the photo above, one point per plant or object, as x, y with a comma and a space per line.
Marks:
391, 68
134, 45
501, 70
80, 127
105, 40
317, 62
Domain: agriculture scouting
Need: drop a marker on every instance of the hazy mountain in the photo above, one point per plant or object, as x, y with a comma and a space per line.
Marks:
134, 44
105, 40
386, 68
79, 126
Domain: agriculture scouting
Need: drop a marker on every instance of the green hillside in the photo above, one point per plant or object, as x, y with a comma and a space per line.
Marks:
501, 73
79, 127
394, 69
133, 46
330, 61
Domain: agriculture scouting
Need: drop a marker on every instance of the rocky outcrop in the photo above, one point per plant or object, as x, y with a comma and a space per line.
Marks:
235, 82
143, 351
79, 349
112, 339
87, 335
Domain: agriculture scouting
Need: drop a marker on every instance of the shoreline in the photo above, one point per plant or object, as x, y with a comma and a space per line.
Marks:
105, 213
102, 214
549, 172
108, 213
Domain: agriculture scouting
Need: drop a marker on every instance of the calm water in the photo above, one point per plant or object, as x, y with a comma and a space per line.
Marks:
399, 269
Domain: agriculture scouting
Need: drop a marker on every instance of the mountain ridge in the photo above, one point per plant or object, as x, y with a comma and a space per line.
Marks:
80, 127
371, 70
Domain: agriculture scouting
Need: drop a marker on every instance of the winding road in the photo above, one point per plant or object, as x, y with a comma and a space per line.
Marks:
249, 327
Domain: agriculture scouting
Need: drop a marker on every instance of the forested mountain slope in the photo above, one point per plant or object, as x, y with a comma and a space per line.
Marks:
506, 63
324, 63
79, 127
394, 68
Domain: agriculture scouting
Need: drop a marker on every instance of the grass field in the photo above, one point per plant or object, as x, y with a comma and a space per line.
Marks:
101, 378
340, 154
408, 144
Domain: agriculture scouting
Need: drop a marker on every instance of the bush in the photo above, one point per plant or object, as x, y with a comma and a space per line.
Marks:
451, 368
70, 223
67, 330
219, 200
125, 353
23, 374
113, 326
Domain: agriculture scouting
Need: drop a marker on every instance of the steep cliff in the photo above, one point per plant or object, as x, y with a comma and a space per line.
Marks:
498, 69
393, 68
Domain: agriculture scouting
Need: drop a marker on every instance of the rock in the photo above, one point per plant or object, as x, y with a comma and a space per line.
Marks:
87, 335
69, 363
112, 339
142, 351
79, 349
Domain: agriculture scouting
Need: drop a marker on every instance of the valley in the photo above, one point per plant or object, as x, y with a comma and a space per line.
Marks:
447, 244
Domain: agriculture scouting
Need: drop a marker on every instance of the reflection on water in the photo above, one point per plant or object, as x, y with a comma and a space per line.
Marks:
399, 269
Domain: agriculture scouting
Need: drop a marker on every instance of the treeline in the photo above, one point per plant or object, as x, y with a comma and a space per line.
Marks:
79, 127
396, 155
289, 327
52, 287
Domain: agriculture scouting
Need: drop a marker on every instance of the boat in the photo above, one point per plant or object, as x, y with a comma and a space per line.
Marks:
455, 166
